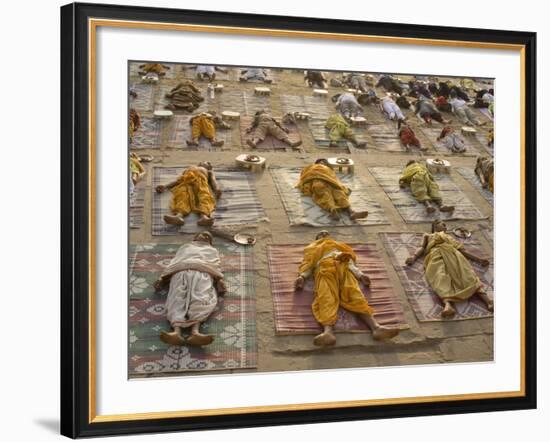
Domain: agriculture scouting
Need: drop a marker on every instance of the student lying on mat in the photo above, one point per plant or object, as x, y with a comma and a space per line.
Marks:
452, 140
340, 129
347, 105
320, 182
153, 70
195, 280
262, 126
315, 79
184, 96
337, 278
195, 191
255, 74
423, 186
485, 171
207, 72
205, 125
447, 269
134, 123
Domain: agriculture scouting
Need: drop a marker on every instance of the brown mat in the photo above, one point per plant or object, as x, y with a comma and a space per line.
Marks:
292, 309
426, 304
269, 142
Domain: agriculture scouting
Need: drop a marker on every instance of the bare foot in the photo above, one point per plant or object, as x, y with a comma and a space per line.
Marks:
384, 333
448, 311
334, 215
358, 215
430, 209
325, 339
251, 143
217, 143
447, 208
192, 143
174, 220
205, 221
171, 338
198, 340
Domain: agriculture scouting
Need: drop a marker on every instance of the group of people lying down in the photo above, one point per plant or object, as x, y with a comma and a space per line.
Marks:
194, 279
197, 190
427, 99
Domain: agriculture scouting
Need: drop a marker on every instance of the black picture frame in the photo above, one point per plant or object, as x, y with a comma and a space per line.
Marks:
75, 219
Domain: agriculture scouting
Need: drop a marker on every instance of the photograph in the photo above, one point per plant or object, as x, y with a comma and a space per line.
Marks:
275, 220
290, 219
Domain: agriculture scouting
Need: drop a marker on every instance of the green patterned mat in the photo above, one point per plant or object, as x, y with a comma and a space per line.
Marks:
233, 322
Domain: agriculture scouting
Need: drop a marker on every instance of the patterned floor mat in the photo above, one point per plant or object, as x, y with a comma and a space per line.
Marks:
270, 143
470, 142
144, 100
180, 133
148, 136
292, 309
238, 205
425, 303
317, 107
385, 137
413, 212
301, 210
233, 322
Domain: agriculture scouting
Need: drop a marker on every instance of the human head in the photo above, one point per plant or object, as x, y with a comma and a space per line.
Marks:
322, 234
323, 161
438, 226
206, 164
410, 162
335, 98
204, 236
452, 94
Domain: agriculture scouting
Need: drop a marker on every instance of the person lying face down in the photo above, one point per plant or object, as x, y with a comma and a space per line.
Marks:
195, 191
358, 81
207, 72
390, 108
205, 124
259, 74
423, 186
340, 129
452, 140
485, 171
195, 280
134, 123
347, 105
426, 110
447, 269
158, 69
184, 96
321, 183
462, 111
333, 267
417, 89
390, 84
408, 137
262, 126
315, 79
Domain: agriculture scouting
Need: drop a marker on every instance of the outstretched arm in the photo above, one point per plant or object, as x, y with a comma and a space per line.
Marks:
481, 261
361, 277
252, 125
214, 184
162, 188
419, 252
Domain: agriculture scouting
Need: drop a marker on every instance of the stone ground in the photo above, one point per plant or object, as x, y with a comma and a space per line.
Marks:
422, 343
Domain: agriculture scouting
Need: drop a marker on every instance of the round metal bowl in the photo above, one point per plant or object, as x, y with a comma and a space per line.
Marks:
342, 160
462, 232
252, 158
245, 239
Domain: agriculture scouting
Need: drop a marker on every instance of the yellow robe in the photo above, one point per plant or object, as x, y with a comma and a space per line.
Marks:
335, 285
203, 125
447, 270
422, 183
192, 194
323, 186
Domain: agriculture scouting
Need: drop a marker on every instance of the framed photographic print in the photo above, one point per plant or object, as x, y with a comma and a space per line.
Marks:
276, 220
